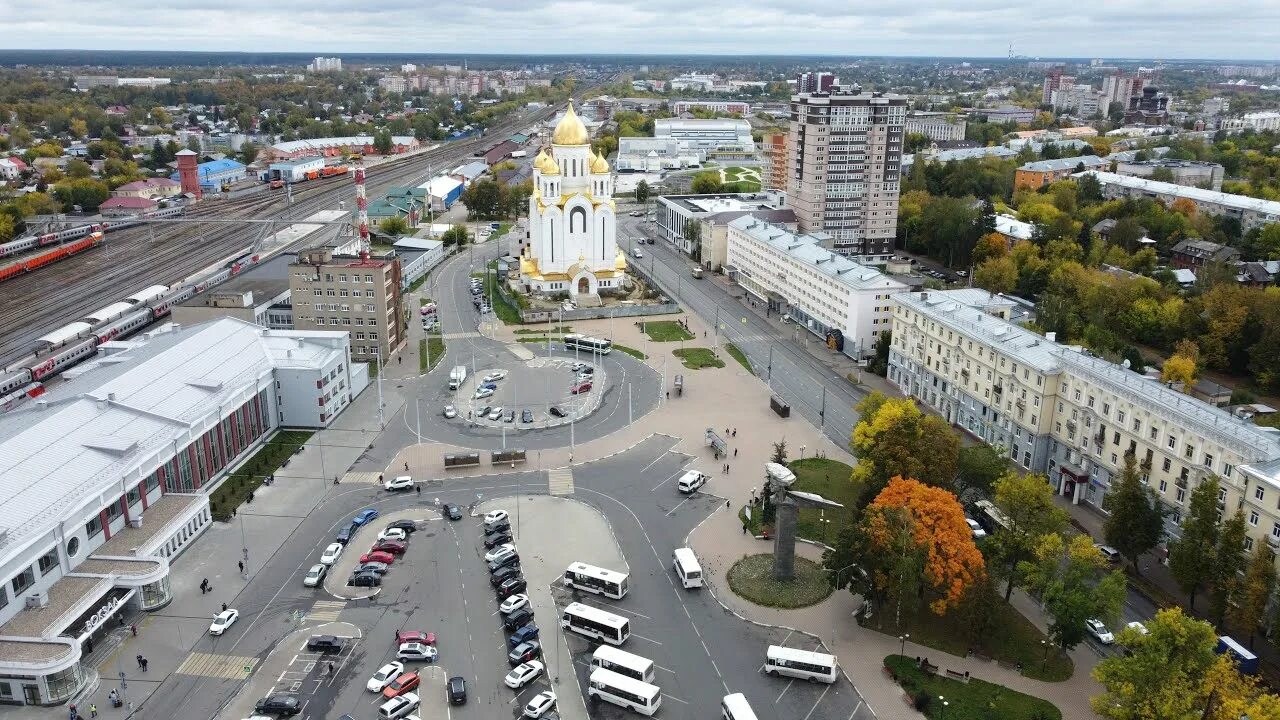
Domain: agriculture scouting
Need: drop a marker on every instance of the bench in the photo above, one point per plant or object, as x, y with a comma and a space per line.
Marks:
961, 676
457, 460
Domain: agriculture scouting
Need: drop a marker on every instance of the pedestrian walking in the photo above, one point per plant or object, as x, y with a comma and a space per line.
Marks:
204, 586
240, 564
726, 503
735, 432
735, 452
224, 607
330, 668
744, 528
93, 710
144, 664
133, 629
139, 659
418, 488
406, 467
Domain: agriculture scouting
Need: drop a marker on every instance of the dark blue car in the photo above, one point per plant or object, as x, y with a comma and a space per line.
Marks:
489, 386
364, 516
524, 634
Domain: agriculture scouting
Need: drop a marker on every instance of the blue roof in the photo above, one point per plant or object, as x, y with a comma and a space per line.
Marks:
220, 166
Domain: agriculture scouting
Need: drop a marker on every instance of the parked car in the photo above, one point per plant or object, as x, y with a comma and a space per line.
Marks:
511, 587
402, 684
513, 603
502, 574
482, 393
494, 516
331, 553
540, 704
489, 385
1108, 552
457, 689
398, 707
495, 376
975, 528
523, 634
450, 411
453, 512
556, 411
377, 556
408, 526
344, 535
376, 568
324, 643
223, 620
484, 411
582, 368
364, 516
402, 482
395, 547
1099, 631
1135, 625
526, 416
518, 619
315, 575
496, 413
496, 538
417, 651
384, 676
392, 533
510, 417
418, 636
581, 388
500, 552
523, 675
279, 704
524, 652
365, 579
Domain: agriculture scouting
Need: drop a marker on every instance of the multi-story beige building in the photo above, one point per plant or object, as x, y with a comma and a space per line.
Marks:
1063, 412
774, 152
845, 151
358, 294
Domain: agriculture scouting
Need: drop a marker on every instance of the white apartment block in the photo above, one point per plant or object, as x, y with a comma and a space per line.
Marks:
681, 107
1251, 212
723, 138
1267, 120
393, 83
939, 127
1060, 411
324, 64
795, 276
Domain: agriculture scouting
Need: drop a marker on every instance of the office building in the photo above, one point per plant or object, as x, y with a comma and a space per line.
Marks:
672, 214
1184, 172
1006, 114
719, 138
1250, 211
735, 107
1060, 411
647, 154
939, 127
844, 303
774, 152
252, 297
845, 150
358, 295
105, 480
1268, 120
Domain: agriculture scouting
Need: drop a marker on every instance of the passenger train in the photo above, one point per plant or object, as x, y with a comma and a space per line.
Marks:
56, 351
23, 244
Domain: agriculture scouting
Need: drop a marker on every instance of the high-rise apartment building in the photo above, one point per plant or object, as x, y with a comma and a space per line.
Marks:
358, 294
1054, 80
845, 158
324, 64
774, 151
812, 82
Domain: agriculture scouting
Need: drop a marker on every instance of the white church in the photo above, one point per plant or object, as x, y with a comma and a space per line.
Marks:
572, 243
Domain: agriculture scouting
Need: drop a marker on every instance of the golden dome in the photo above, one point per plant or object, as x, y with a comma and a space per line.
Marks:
570, 130
546, 164
620, 262
599, 165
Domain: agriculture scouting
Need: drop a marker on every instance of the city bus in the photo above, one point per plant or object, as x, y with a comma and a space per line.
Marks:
802, 664
685, 563
590, 344
990, 517
736, 707
623, 663
590, 622
597, 580
624, 692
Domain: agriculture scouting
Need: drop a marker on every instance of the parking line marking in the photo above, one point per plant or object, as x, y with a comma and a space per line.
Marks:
855, 710
664, 482
655, 642
615, 607
655, 462
818, 702
673, 672
673, 697
678, 506
784, 692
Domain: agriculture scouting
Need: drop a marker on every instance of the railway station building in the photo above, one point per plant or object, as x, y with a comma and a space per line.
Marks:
105, 481
216, 173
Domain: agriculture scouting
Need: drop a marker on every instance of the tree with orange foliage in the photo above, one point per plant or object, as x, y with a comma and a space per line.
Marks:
1184, 206
941, 549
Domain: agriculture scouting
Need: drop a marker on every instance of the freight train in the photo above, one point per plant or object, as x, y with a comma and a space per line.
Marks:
52, 247
56, 351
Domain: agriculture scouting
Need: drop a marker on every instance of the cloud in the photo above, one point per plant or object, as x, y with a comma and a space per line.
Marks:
1245, 29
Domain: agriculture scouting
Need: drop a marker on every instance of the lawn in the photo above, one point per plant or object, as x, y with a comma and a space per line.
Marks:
506, 312
974, 700
435, 344
828, 478
738, 355
752, 579
423, 302
698, 358
666, 331
630, 351
273, 455
557, 330
1011, 639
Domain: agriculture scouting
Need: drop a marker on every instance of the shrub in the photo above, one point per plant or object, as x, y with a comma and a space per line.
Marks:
921, 701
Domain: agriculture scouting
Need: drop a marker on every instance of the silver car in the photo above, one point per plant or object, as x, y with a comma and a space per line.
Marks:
315, 575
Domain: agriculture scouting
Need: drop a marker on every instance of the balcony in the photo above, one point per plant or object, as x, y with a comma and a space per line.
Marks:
1020, 404
1181, 482
1273, 541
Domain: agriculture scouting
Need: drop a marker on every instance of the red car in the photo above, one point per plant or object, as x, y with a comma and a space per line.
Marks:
581, 387
395, 547
401, 685
377, 556
418, 636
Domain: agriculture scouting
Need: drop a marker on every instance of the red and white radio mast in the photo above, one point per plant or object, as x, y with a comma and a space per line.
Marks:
362, 206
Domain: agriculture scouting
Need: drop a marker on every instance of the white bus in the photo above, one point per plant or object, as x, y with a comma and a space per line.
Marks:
590, 622
624, 692
800, 663
990, 517
735, 707
685, 563
596, 579
590, 344
623, 663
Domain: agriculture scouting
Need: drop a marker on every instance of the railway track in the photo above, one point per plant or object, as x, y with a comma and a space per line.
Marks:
164, 253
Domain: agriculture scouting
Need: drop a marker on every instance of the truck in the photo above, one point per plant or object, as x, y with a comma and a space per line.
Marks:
1246, 661
457, 376
697, 272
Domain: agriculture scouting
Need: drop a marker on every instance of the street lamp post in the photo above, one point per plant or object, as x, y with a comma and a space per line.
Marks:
943, 714
1044, 662
902, 643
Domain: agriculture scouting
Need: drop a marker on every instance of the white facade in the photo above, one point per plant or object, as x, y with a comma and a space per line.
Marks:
295, 170
721, 137
818, 289
431, 253
644, 154
681, 107
572, 245
324, 64
939, 127
1251, 212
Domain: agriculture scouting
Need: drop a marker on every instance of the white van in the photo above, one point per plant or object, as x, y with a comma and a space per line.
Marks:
635, 253
691, 481
398, 707
685, 563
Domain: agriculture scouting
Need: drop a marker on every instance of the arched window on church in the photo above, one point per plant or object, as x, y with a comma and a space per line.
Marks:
577, 218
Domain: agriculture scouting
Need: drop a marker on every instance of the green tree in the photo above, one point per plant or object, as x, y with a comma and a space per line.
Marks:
7, 225
382, 142
1229, 562
1192, 555
85, 192
193, 144
978, 468
160, 155
706, 183
1027, 502
248, 153
484, 200
160, 116
693, 234
1254, 592
879, 363
1136, 521
997, 275
893, 438
78, 169
456, 235
642, 191
1069, 579
395, 226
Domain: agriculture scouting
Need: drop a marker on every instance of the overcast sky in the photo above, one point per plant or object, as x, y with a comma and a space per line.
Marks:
1245, 29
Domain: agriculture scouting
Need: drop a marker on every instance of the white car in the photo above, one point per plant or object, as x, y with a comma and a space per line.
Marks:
495, 376
398, 707
1099, 631
482, 393
223, 620
513, 603
523, 674
450, 411
384, 676
540, 704
315, 575
977, 530
403, 482
496, 413
1135, 625
331, 553
417, 651
500, 552
493, 517
393, 533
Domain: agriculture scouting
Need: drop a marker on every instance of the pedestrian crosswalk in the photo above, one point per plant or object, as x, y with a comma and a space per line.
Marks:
227, 667
361, 477
326, 610
560, 481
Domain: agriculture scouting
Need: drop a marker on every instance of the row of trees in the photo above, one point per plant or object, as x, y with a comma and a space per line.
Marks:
487, 199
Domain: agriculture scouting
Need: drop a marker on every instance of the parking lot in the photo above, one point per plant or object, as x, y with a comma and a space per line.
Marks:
536, 386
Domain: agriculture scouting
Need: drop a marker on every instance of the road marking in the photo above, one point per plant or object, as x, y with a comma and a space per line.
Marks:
818, 702
326, 610
226, 667
560, 481
628, 611
784, 692
673, 697
655, 462
855, 710
664, 482
677, 507
361, 477
655, 642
